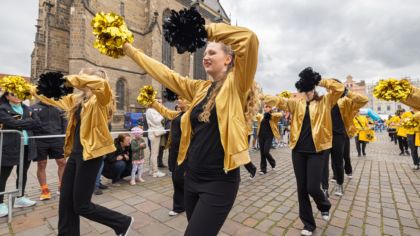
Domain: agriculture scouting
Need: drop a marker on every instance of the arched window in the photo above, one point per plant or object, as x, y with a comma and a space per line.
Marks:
199, 72
120, 87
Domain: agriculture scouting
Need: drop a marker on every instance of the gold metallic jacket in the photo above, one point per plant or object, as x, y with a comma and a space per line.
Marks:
319, 112
274, 123
349, 107
231, 100
413, 100
94, 133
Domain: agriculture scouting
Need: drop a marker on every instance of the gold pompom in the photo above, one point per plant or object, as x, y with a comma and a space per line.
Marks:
285, 94
392, 89
146, 96
16, 85
410, 123
111, 34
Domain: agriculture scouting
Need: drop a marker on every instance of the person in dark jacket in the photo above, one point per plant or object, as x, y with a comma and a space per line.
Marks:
16, 116
53, 123
118, 164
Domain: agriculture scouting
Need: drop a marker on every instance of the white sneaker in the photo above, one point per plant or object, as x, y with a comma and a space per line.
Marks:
159, 174
350, 176
325, 216
305, 232
4, 210
173, 213
339, 190
23, 202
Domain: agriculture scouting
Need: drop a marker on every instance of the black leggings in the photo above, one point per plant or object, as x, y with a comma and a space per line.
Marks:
77, 187
207, 204
265, 146
411, 139
7, 170
178, 184
308, 171
347, 161
360, 146
403, 144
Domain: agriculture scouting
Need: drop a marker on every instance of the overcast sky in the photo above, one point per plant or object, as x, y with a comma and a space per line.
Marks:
368, 39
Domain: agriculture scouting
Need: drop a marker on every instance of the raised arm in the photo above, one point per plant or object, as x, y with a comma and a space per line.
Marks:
97, 85
335, 88
244, 43
413, 100
183, 86
357, 101
164, 111
65, 103
284, 104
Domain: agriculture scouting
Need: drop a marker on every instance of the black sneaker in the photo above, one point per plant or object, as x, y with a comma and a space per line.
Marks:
98, 191
101, 186
253, 173
128, 228
401, 154
407, 153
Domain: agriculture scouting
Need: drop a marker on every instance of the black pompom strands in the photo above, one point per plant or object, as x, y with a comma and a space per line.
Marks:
308, 80
51, 85
185, 30
169, 95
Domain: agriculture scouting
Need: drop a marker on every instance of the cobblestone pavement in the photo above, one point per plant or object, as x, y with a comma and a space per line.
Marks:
382, 198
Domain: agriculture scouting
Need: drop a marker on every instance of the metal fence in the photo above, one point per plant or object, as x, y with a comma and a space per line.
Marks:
18, 191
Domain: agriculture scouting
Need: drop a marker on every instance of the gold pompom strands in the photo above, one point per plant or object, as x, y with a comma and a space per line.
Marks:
147, 96
285, 94
111, 34
410, 123
16, 85
392, 89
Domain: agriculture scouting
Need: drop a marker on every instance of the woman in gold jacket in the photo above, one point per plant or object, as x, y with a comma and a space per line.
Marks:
87, 140
213, 130
268, 128
310, 138
178, 171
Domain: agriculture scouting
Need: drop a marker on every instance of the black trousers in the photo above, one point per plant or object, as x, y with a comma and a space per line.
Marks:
411, 138
360, 146
403, 144
7, 170
348, 169
337, 158
308, 171
160, 156
77, 187
207, 204
326, 171
178, 184
265, 146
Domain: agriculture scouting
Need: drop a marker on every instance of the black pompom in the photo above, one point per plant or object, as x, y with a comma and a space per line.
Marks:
308, 80
185, 30
51, 85
169, 95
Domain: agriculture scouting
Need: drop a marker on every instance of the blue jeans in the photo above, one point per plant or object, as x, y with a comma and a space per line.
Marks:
120, 170
98, 176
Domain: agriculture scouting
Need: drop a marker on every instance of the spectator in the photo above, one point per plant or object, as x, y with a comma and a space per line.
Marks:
53, 123
117, 165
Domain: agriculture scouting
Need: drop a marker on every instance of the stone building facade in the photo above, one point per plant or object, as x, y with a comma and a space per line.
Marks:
64, 42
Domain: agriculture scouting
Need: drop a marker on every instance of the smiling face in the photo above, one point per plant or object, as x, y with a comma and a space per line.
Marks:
126, 141
216, 60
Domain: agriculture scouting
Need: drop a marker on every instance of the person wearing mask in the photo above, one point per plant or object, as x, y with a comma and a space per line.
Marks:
14, 115
310, 137
87, 141
213, 132
53, 123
